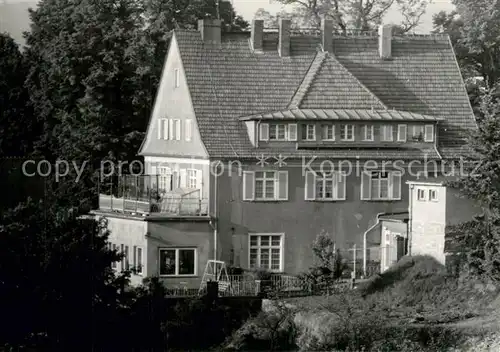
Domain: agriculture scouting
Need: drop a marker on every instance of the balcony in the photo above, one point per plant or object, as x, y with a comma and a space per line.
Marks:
142, 195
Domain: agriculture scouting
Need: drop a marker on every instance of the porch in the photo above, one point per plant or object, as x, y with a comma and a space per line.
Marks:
141, 194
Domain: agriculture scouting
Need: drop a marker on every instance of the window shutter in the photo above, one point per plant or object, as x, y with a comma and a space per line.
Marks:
248, 185
365, 186
264, 132
282, 185
188, 130
292, 132
160, 128
177, 130
310, 193
402, 133
171, 129
340, 179
396, 185
134, 258
183, 178
429, 133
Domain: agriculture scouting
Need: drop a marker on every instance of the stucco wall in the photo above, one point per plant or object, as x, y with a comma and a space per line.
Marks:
176, 234
130, 232
301, 221
173, 103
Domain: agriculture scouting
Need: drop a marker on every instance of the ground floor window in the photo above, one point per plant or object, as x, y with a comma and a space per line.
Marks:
177, 261
266, 251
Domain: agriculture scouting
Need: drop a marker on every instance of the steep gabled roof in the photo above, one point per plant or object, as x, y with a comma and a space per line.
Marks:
232, 81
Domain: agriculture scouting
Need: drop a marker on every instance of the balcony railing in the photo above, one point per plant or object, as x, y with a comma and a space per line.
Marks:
142, 194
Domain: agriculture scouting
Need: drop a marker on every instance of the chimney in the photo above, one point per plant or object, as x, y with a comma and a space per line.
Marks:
284, 38
210, 30
327, 35
385, 41
257, 34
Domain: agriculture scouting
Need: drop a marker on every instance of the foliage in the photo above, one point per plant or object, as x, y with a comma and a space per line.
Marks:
55, 272
357, 15
18, 127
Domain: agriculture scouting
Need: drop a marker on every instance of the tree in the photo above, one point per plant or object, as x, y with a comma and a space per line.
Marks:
55, 273
361, 15
272, 21
17, 125
480, 237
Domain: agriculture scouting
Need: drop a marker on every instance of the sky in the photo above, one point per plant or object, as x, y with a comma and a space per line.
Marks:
14, 16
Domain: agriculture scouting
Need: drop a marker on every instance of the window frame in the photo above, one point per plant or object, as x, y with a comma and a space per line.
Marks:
192, 175
365, 130
307, 127
177, 77
252, 197
402, 137
138, 262
431, 139
259, 247
346, 127
433, 199
324, 178
421, 194
264, 180
177, 249
188, 130
391, 177
275, 126
414, 136
163, 177
324, 132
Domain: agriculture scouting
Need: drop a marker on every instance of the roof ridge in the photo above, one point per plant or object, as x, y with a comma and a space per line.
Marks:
315, 66
375, 98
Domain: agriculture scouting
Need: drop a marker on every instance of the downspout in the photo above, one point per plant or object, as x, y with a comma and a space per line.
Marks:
257, 134
410, 220
215, 215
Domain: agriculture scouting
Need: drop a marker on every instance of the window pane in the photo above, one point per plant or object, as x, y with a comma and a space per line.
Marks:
139, 260
264, 241
259, 174
319, 188
275, 240
375, 188
259, 189
167, 262
253, 257
329, 189
273, 132
384, 188
253, 241
269, 189
275, 259
186, 262
281, 132
264, 258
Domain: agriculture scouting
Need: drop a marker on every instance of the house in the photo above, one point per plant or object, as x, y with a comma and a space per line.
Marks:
260, 141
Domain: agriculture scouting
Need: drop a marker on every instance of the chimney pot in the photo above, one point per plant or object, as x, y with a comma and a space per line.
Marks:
210, 30
385, 41
257, 35
284, 38
327, 34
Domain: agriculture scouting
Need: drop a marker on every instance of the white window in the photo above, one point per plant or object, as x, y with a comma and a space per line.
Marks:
264, 132
292, 132
171, 130
177, 77
421, 194
347, 132
266, 251
325, 186
162, 128
177, 124
309, 132
265, 185
277, 132
368, 132
378, 185
433, 195
164, 178
177, 261
417, 133
188, 130
387, 133
192, 178
429, 133
328, 132
402, 131
138, 266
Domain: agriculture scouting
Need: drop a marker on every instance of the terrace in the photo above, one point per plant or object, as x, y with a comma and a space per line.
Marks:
142, 194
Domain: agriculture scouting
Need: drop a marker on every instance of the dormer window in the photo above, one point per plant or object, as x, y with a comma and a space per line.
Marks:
328, 132
277, 132
310, 132
387, 133
417, 134
368, 132
429, 133
347, 132
402, 133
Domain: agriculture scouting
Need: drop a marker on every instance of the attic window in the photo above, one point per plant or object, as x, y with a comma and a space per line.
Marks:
417, 133
277, 132
177, 78
429, 133
347, 132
